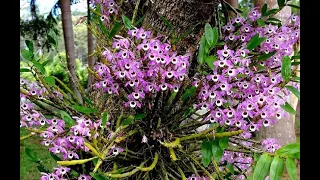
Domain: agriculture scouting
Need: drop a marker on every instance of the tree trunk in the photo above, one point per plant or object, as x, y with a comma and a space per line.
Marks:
182, 14
69, 46
233, 3
90, 50
284, 129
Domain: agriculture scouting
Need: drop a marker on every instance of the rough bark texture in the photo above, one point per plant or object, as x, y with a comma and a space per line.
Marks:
182, 14
69, 45
284, 130
90, 50
233, 3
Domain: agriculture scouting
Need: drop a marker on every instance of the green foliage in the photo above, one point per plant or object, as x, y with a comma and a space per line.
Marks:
262, 168
287, 107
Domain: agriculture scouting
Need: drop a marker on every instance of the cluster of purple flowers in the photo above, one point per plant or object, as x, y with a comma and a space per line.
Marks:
141, 68
251, 94
61, 174
270, 145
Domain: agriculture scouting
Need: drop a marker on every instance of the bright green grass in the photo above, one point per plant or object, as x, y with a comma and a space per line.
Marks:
28, 169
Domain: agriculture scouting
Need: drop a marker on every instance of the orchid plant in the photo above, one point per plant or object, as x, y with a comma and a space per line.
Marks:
172, 125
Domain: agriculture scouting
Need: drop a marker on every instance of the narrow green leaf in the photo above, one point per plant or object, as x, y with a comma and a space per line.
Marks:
46, 62
262, 167
139, 21
208, 33
215, 36
206, 153
98, 176
216, 150
66, 117
39, 66
188, 93
50, 80
115, 29
274, 19
294, 6
88, 101
127, 22
264, 8
260, 22
29, 45
83, 109
266, 56
255, 41
223, 142
289, 150
202, 50
55, 157
295, 57
128, 121
294, 91
276, 168
52, 38
209, 60
140, 116
104, 118
281, 3
27, 55
270, 12
286, 68
168, 24
256, 156
25, 70
230, 167
42, 168
291, 168
31, 154
287, 107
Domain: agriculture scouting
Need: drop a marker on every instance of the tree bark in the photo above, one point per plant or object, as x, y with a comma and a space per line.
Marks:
284, 129
69, 46
91, 59
182, 14
233, 3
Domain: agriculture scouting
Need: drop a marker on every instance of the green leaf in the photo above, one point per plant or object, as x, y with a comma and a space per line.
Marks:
262, 167
29, 45
55, 157
230, 167
202, 50
188, 111
289, 150
188, 93
98, 176
27, 55
50, 80
281, 3
46, 62
83, 109
127, 22
215, 36
266, 56
274, 19
39, 66
255, 41
294, 91
291, 168
88, 101
287, 107
41, 168
52, 38
206, 153
256, 156
295, 57
260, 22
115, 29
25, 70
223, 142
168, 24
185, 34
104, 118
286, 68
139, 21
294, 6
276, 168
209, 60
31, 154
216, 150
242, 75
208, 33
140, 116
264, 8
270, 12
127, 121
66, 117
